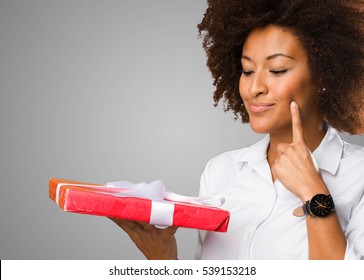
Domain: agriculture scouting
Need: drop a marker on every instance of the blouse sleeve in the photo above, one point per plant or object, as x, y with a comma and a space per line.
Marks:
355, 233
202, 192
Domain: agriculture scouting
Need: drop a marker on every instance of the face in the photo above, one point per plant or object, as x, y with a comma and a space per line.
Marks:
276, 72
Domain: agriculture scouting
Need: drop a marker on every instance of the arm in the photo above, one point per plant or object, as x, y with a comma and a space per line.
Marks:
326, 239
295, 168
154, 243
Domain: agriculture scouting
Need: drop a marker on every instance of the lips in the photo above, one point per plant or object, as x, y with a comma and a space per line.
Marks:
260, 107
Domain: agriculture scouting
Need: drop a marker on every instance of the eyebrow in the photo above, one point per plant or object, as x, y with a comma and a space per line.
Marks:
273, 56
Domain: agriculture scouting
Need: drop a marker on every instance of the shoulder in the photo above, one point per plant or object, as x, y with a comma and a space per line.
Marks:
353, 150
352, 164
353, 154
233, 160
220, 170
228, 159
338, 156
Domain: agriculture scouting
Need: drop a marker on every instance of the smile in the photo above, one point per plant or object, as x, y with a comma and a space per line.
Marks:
260, 108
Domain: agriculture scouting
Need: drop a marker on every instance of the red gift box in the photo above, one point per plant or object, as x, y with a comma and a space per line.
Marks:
100, 200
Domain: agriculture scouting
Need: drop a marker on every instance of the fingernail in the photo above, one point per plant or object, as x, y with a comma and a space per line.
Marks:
293, 103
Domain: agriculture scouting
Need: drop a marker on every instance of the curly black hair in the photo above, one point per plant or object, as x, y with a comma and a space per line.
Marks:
331, 31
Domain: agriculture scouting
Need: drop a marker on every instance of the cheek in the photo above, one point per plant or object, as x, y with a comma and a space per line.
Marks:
299, 90
243, 88
286, 92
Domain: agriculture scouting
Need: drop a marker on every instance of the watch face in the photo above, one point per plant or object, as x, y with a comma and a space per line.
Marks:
321, 205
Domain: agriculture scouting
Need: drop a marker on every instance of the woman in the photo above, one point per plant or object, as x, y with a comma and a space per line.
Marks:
293, 69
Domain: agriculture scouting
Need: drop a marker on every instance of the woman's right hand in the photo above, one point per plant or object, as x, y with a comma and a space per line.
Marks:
154, 243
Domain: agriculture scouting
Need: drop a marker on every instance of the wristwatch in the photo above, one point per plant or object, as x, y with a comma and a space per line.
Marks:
320, 205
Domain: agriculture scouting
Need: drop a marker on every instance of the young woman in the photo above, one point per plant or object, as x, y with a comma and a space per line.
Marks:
293, 69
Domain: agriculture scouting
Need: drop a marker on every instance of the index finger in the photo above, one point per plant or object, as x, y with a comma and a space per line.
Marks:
297, 129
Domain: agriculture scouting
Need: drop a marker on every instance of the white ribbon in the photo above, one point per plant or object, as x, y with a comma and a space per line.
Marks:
162, 206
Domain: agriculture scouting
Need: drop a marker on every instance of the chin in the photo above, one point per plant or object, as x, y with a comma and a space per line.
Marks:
260, 127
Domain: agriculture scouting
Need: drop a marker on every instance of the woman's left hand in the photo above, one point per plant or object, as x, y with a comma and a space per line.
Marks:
154, 243
295, 167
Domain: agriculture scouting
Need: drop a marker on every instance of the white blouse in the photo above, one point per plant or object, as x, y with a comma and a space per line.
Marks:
261, 224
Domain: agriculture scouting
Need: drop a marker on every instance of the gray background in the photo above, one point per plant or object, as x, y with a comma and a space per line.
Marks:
100, 91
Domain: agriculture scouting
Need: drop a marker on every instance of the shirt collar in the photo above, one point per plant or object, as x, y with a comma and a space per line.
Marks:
255, 153
327, 155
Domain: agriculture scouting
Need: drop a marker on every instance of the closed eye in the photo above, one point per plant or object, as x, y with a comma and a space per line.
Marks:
278, 71
246, 72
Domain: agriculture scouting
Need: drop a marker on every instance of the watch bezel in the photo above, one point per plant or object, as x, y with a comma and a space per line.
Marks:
321, 205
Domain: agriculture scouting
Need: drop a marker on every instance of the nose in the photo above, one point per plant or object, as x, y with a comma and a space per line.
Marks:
257, 84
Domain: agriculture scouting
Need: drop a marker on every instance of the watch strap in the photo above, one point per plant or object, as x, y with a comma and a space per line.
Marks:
301, 211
